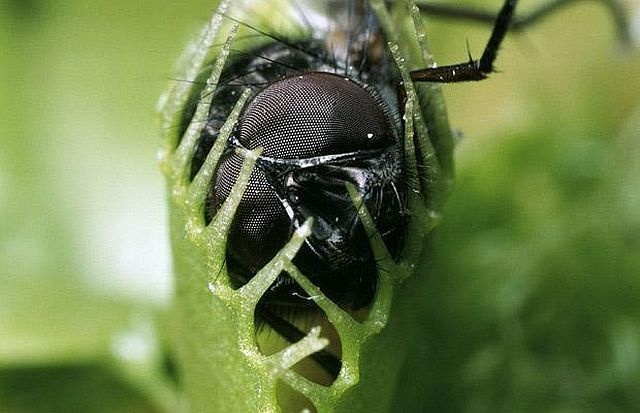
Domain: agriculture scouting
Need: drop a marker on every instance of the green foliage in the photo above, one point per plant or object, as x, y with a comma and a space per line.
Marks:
526, 301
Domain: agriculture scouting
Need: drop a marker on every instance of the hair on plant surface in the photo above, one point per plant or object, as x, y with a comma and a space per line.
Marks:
306, 163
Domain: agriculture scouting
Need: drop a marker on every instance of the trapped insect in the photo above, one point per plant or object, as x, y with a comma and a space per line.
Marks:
325, 113
328, 112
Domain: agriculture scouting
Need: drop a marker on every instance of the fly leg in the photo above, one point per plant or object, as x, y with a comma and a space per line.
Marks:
475, 70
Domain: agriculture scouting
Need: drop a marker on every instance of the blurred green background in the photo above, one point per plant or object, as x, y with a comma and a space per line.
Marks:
534, 277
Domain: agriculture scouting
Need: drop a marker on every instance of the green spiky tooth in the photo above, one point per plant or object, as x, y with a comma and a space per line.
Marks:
411, 164
255, 288
217, 230
289, 356
421, 33
380, 252
428, 161
186, 148
199, 188
342, 321
189, 66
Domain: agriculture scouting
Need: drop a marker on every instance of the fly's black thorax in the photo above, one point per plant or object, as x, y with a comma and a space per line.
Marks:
325, 112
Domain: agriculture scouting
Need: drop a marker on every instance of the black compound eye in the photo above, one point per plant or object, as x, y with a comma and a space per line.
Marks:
318, 131
313, 114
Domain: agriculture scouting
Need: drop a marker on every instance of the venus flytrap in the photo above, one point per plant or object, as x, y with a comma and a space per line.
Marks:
222, 367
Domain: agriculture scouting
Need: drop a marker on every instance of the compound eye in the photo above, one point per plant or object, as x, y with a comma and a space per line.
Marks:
313, 114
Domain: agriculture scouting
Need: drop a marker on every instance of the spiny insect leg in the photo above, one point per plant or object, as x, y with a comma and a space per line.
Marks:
473, 69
